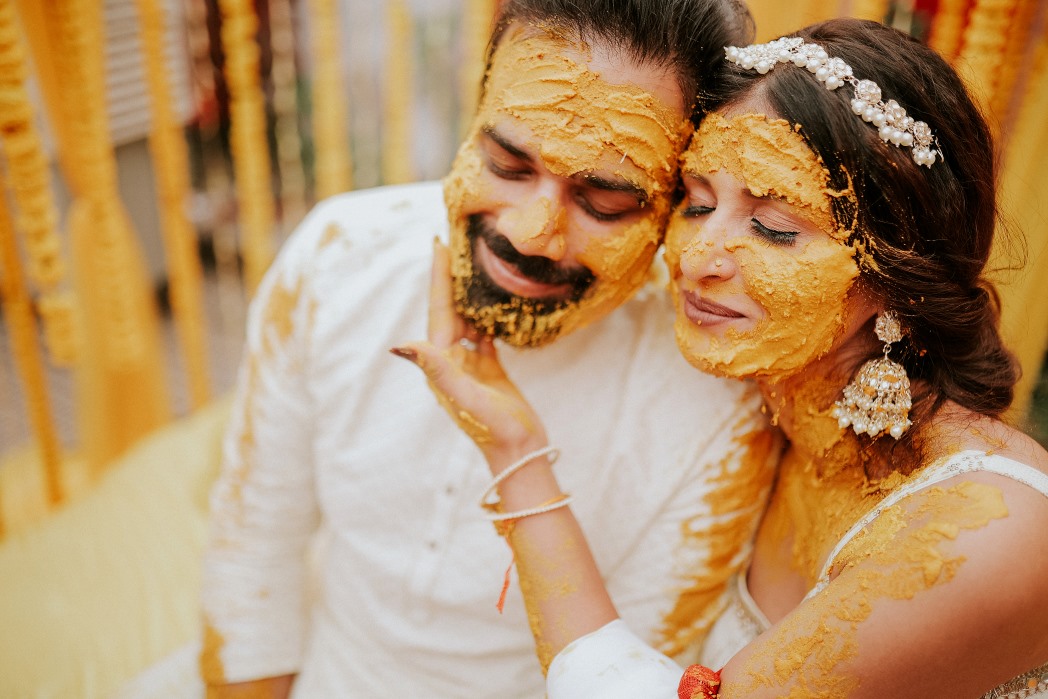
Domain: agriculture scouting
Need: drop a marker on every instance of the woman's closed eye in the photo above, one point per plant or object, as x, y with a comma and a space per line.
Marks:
696, 210
774, 236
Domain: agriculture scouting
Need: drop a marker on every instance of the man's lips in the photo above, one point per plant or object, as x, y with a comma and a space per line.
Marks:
705, 312
509, 277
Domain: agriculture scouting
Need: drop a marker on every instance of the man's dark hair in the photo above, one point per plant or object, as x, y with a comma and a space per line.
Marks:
686, 36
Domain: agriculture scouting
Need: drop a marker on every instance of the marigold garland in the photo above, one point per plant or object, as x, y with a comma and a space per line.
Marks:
399, 82
122, 393
947, 27
199, 44
76, 25
17, 305
171, 167
31, 176
247, 110
983, 45
331, 126
285, 109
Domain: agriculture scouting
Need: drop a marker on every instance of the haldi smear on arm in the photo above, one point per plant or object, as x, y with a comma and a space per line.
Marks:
904, 552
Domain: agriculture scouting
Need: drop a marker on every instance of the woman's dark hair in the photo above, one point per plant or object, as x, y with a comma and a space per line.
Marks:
687, 36
926, 232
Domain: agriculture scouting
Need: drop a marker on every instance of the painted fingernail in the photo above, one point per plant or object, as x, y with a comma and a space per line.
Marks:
405, 353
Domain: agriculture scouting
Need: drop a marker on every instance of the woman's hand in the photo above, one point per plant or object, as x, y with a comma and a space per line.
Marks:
465, 375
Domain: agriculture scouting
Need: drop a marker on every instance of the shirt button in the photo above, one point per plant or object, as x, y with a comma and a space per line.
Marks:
432, 545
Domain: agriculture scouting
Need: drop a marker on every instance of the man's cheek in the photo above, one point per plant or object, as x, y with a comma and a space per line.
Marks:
618, 257
463, 186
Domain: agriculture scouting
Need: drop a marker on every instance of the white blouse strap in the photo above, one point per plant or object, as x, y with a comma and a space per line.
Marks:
964, 462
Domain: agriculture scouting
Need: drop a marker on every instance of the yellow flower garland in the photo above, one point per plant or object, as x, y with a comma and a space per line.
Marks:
171, 166
983, 46
37, 215
21, 326
947, 26
285, 109
121, 388
331, 126
247, 110
1015, 71
92, 168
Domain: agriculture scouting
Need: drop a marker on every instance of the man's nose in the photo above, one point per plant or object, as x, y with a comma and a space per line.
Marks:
536, 227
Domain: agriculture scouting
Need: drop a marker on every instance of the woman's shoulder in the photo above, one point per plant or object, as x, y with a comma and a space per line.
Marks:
964, 555
965, 432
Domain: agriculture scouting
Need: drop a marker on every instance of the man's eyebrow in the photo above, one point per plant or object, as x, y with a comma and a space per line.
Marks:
498, 138
598, 182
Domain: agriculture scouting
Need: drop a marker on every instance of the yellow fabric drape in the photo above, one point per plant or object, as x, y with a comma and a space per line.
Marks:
171, 167
477, 19
399, 83
334, 171
775, 18
121, 391
870, 9
247, 110
1023, 187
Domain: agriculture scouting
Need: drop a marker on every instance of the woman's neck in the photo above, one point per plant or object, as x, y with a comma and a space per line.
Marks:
801, 404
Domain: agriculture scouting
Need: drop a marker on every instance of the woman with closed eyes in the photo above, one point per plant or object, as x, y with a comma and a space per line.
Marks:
837, 215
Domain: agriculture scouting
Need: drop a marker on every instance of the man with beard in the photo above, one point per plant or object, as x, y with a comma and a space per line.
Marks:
338, 455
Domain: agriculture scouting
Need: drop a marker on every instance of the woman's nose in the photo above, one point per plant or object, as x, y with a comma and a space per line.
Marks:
704, 257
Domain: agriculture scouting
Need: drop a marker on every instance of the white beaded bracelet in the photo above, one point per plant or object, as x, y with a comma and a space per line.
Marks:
551, 451
562, 501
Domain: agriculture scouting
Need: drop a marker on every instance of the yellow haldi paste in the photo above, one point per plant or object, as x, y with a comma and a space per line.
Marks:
804, 288
576, 122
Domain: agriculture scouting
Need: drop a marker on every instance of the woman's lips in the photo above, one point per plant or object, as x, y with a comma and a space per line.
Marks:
705, 312
509, 277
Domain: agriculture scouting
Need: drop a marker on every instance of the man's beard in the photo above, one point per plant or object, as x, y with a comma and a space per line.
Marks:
518, 320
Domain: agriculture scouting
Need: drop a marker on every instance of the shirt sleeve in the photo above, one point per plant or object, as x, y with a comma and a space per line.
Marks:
263, 505
612, 663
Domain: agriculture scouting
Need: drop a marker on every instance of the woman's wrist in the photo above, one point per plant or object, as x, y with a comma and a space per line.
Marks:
503, 456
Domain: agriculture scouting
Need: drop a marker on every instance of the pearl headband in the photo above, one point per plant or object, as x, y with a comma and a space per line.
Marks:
893, 125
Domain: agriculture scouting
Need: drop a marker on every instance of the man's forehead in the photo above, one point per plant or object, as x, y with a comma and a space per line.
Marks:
610, 64
548, 99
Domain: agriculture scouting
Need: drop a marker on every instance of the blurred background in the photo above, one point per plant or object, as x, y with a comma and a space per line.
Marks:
155, 154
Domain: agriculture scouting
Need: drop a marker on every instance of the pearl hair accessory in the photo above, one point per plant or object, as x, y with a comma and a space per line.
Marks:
893, 124
878, 398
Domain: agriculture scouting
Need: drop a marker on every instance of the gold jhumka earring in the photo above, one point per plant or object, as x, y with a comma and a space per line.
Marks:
878, 398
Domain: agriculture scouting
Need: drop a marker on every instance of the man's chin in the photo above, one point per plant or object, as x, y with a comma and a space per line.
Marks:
517, 324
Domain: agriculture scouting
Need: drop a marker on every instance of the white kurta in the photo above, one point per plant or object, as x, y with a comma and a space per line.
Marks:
331, 434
